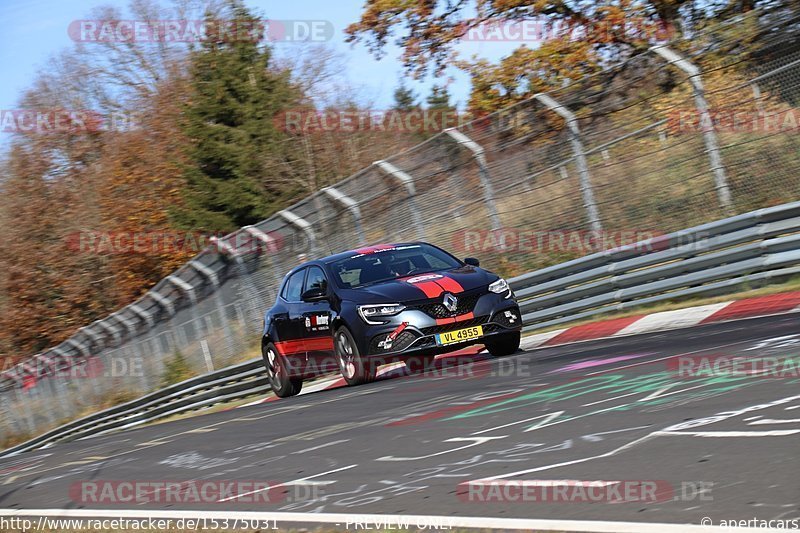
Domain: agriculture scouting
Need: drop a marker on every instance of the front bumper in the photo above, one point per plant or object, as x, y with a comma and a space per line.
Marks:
494, 312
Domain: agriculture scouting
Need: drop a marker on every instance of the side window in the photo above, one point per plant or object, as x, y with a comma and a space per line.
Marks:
316, 279
294, 286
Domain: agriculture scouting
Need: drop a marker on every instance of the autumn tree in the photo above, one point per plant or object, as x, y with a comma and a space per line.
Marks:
580, 37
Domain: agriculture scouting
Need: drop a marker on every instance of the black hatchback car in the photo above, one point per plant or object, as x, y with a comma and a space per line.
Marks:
357, 310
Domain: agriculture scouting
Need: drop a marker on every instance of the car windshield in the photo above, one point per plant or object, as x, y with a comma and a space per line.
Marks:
390, 263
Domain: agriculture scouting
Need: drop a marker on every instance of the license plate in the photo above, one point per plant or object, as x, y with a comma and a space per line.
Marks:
460, 335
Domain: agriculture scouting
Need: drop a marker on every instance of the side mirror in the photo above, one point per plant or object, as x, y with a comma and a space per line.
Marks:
314, 295
472, 261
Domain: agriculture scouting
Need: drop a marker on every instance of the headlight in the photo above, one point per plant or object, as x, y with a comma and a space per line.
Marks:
378, 311
500, 286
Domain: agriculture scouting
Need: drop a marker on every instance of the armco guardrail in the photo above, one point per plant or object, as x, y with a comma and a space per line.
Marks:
231, 383
708, 259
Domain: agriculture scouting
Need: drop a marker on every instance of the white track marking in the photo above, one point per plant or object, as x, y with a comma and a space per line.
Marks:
423, 521
475, 441
547, 483
724, 434
321, 446
294, 482
573, 462
550, 417
775, 421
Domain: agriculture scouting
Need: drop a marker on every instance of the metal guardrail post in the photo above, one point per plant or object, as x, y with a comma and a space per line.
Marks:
113, 330
706, 124
184, 286
337, 196
163, 302
96, 338
144, 315
587, 190
483, 170
81, 347
205, 271
129, 324
408, 182
303, 225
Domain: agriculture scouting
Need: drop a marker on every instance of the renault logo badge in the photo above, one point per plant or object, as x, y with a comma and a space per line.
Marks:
450, 302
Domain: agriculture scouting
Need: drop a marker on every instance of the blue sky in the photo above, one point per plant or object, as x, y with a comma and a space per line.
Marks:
34, 30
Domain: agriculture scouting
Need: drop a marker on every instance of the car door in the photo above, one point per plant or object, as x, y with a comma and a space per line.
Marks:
317, 321
289, 325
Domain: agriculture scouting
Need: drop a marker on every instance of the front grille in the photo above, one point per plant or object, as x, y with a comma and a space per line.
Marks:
477, 321
492, 328
466, 303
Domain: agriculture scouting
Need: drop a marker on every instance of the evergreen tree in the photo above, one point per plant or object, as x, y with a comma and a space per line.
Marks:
404, 99
439, 98
230, 120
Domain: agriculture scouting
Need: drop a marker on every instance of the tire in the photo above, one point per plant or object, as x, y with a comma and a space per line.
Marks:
355, 370
282, 384
419, 363
503, 344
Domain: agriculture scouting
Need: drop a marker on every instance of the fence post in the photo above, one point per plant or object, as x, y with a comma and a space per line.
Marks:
304, 225
408, 183
227, 250
483, 171
214, 280
163, 302
23, 404
113, 330
144, 315
272, 248
706, 124
337, 196
587, 191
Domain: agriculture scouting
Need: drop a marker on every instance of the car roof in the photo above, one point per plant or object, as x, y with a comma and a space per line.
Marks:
354, 252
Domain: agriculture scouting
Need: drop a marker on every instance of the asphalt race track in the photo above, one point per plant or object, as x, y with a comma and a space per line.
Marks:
602, 412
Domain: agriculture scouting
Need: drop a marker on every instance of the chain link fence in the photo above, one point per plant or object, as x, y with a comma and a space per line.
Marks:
674, 137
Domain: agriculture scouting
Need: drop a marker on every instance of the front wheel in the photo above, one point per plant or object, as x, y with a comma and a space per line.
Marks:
355, 370
503, 344
283, 385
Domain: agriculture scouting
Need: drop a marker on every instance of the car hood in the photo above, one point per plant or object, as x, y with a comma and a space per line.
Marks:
422, 286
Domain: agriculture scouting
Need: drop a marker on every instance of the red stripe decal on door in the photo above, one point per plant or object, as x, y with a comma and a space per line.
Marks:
311, 344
